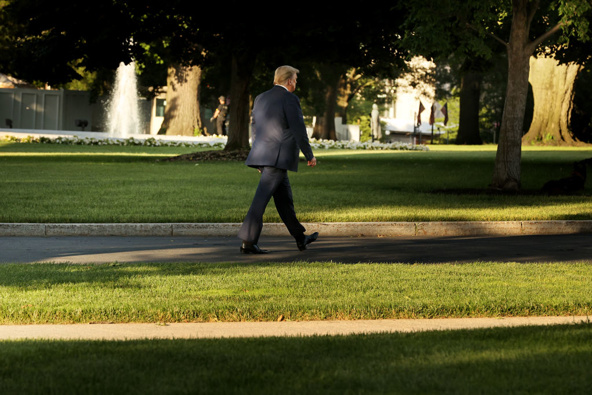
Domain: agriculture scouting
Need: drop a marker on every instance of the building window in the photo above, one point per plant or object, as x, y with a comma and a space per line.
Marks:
160, 105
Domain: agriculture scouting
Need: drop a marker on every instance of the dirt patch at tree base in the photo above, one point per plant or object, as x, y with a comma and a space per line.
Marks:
214, 155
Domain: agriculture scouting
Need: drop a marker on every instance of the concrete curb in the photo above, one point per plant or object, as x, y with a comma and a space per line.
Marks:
131, 331
349, 229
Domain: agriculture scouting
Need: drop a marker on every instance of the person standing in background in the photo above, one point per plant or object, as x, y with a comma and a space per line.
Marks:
220, 116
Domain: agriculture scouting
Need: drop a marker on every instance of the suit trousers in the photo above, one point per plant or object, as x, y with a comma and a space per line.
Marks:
274, 183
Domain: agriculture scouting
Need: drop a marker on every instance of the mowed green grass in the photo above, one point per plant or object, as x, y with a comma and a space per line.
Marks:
542, 360
104, 184
50, 183
526, 360
204, 292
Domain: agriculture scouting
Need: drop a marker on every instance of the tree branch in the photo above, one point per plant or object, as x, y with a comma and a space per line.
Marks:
545, 36
492, 35
533, 9
358, 89
495, 37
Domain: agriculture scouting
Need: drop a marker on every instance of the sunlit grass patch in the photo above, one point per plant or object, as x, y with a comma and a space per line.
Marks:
132, 184
187, 292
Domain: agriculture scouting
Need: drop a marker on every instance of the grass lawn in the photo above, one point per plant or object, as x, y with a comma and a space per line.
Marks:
51, 183
48, 183
541, 360
198, 292
551, 360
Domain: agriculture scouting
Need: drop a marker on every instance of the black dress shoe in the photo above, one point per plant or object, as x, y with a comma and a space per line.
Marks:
248, 248
306, 241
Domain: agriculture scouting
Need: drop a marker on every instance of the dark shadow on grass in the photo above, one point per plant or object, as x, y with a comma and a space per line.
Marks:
497, 192
210, 155
538, 360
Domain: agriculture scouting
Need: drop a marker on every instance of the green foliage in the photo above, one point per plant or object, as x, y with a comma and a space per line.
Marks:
461, 32
365, 129
574, 14
83, 84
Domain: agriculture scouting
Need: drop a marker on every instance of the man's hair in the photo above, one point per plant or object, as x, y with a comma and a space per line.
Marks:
283, 74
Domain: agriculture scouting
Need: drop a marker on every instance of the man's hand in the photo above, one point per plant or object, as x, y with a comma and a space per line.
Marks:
312, 162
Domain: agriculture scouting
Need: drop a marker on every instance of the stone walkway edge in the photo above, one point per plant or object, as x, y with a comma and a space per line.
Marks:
134, 331
351, 229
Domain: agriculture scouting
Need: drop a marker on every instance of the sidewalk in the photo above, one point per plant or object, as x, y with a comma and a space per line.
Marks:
282, 249
266, 329
351, 229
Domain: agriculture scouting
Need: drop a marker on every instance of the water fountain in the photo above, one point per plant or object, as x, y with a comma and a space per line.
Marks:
121, 118
123, 112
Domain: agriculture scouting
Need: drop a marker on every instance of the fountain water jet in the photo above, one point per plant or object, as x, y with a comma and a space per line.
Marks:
124, 114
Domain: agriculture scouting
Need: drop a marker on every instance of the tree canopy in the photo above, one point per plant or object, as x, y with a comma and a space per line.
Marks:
47, 41
476, 28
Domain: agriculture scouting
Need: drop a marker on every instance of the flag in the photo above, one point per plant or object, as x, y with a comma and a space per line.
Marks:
445, 112
432, 115
421, 108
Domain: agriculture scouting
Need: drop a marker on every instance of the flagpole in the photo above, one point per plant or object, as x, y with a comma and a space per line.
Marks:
432, 119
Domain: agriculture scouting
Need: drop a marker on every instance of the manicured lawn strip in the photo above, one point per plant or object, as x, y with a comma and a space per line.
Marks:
197, 292
541, 360
49, 183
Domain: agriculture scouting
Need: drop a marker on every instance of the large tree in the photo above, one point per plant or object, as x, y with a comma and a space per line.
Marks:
440, 31
521, 26
553, 77
556, 17
351, 83
472, 71
103, 33
182, 111
327, 78
175, 44
553, 90
308, 33
47, 40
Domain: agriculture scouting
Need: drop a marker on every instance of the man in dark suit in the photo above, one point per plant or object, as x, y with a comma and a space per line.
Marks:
278, 134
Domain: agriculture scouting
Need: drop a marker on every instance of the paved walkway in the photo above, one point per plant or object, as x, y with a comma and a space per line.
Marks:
265, 329
462, 249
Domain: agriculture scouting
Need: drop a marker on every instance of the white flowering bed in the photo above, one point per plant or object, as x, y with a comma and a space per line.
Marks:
215, 142
148, 142
356, 145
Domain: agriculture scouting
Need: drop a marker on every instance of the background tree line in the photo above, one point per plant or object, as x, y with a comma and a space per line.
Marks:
490, 49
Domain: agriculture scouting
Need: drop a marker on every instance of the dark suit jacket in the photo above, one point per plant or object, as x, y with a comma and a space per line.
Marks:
278, 131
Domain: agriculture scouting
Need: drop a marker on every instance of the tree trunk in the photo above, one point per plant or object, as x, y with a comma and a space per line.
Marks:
347, 87
553, 91
324, 127
328, 78
182, 113
328, 132
470, 92
342, 96
239, 111
506, 173
317, 129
